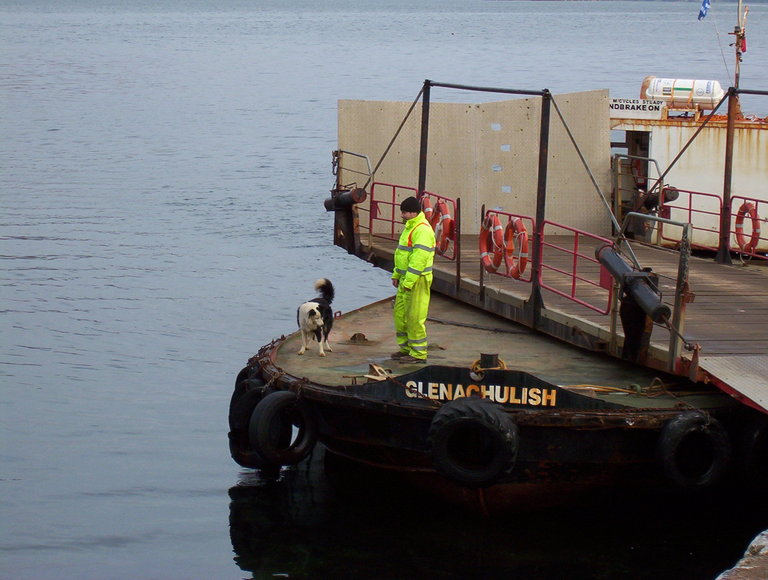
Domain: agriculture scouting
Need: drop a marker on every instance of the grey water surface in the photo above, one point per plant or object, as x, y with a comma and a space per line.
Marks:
163, 167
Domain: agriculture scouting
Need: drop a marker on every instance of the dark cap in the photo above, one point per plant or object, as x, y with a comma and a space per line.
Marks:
410, 204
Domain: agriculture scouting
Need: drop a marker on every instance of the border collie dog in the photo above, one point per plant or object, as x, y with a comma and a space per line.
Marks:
315, 317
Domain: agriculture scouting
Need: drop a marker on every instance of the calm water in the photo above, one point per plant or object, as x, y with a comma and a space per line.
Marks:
163, 171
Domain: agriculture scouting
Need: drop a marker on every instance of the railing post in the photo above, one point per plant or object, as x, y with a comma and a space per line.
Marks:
724, 250
481, 279
536, 302
457, 243
681, 296
424, 138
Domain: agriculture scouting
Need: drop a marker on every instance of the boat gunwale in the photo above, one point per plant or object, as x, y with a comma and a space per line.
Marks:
630, 418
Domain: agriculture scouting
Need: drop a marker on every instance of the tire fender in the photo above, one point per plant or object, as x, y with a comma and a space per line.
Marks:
695, 450
249, 390
473, 442
272, 425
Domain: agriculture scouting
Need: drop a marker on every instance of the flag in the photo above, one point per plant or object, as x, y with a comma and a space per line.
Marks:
704, 9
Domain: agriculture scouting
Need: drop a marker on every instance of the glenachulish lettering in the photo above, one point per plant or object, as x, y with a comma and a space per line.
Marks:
533, 396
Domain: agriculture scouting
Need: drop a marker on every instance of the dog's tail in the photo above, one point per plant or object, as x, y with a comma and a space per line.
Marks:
324, 286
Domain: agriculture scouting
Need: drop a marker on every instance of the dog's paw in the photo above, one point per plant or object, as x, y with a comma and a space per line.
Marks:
321, 353
301, 352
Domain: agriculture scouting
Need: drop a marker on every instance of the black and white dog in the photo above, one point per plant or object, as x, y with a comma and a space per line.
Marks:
315, 317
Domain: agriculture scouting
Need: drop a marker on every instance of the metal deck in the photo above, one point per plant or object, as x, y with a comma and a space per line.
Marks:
728, 317
459, 333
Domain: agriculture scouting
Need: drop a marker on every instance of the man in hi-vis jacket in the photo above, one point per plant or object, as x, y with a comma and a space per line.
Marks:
412, 277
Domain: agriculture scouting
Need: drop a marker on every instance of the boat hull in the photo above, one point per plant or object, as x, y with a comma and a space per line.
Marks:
583, 444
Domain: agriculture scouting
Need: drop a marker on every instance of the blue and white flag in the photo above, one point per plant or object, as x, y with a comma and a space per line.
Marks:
704, 9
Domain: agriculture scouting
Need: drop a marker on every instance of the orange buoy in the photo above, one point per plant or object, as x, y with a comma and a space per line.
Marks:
747, 209
444, 228
515, 247
491, 243
429, 213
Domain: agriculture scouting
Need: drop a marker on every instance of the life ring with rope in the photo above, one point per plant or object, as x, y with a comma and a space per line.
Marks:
491, 242
515, 247
747, 209
444, 227
473, 441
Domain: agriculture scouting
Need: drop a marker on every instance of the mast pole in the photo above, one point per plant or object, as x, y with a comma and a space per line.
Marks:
734, 112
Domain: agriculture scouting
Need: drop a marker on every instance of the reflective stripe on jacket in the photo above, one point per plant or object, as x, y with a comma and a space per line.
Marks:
415, 251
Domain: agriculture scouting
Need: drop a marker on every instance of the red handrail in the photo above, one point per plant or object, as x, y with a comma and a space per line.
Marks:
690, 204
384, 206
575, 278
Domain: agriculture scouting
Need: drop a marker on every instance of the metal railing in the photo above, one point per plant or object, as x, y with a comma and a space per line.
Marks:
384, 206
747, 233
586, 275
689, 207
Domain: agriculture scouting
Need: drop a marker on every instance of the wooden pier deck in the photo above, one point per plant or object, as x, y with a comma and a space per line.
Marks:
727, 319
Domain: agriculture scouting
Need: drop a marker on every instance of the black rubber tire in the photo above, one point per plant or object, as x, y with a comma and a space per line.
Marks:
695, 450
271, 428
249, 390
248, 378
473, 442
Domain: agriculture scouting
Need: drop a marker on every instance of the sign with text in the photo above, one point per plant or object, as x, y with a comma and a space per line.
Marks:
636, 109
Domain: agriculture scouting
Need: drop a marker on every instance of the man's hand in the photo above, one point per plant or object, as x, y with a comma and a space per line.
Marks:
395, 282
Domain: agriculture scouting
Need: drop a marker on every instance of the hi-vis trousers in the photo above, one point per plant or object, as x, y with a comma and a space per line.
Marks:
411, 308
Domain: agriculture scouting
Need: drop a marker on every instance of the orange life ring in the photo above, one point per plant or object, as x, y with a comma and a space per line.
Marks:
443, 228
515, 231
429, 213
747, 209
491, 243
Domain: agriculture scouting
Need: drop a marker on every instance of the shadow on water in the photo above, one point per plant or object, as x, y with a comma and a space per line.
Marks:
343, 522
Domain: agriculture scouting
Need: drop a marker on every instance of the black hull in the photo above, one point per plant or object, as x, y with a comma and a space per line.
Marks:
559, 452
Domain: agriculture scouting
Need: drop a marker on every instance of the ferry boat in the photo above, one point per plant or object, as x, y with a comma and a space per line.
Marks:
592, 321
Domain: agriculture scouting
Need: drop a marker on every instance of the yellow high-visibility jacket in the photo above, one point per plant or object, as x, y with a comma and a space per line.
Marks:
415, 251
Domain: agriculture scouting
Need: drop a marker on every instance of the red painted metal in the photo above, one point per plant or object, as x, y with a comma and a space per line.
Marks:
575, 276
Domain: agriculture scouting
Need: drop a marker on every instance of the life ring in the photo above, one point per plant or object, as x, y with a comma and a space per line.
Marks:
695, 450
283, 429
429, 212
515, 231
473, 442
491, 243
444, 227
747, 209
